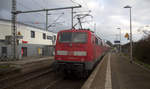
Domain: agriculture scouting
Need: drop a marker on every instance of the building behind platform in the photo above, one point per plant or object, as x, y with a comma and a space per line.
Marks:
36, 42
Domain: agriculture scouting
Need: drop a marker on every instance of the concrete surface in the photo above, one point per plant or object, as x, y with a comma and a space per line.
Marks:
108, 82
29, 64
116, 72
128, 76
97, 79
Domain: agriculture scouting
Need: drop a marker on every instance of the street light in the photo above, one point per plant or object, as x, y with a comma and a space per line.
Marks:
131, 59
120, 38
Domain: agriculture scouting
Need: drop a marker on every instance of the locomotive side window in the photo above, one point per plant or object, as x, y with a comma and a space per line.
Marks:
99, 42
96, 41
75, 37
79, 37
92, 39
102, 43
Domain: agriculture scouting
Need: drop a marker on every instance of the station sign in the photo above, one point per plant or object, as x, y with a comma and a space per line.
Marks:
127, 36
117, 41
19, 37
24, 41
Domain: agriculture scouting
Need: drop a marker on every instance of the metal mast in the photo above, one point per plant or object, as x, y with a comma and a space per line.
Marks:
14, 17
72, 18
72, 7
13, 27
131, 55
46, 20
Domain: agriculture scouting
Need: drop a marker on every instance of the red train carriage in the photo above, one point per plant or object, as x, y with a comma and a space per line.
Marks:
78, 50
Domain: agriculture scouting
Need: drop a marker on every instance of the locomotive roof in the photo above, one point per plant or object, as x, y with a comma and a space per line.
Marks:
76, 30
80, 30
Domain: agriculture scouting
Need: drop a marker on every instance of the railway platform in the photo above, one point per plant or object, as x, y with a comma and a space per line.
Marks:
116, 72
27, 64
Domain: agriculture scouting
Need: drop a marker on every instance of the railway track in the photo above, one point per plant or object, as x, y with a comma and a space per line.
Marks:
53, 83
17, 79
40, 82
49, 80
66, 84
44, 78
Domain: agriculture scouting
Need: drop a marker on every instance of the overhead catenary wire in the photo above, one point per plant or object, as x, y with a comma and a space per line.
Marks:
56, 19
75, 2
38, 14
86, 4
22, 5
28, 8
33, 22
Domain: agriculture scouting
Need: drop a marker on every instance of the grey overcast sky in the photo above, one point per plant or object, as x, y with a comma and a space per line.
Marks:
107, 14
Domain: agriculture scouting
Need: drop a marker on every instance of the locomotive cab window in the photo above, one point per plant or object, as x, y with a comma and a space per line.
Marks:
79, 37
65, 37
74, 37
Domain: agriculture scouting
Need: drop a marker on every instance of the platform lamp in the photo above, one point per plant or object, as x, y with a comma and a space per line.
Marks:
120, 38
131, 58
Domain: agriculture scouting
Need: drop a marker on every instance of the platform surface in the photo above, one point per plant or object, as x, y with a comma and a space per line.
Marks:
116, 72
25, 65
27, 60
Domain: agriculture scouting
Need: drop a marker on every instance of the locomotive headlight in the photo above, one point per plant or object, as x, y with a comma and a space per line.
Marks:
59, 52
80, 53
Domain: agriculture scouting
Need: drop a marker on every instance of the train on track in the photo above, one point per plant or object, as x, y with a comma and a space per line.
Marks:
78, 50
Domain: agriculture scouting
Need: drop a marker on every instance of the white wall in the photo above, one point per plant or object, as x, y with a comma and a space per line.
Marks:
5, 29
26, 32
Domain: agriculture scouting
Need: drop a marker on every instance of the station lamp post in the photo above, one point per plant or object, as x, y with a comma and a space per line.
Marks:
131, 58
120, 39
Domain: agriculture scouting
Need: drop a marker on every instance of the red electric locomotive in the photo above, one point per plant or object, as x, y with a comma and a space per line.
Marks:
78, 50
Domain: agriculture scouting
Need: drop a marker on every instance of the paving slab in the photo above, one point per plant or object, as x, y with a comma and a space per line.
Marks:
128, 76
116, 72
97, 79
27, 65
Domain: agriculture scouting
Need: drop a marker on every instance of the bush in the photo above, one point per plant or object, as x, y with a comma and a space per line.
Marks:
141, 50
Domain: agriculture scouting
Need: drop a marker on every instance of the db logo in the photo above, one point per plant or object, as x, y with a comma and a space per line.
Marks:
70, 53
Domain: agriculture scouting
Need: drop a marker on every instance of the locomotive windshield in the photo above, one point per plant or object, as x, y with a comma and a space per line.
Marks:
74, 37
